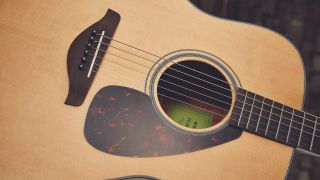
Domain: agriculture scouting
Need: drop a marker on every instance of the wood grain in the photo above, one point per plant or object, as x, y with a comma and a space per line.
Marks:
42, 138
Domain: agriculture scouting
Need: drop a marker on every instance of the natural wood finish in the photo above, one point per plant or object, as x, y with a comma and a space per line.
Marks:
42, 138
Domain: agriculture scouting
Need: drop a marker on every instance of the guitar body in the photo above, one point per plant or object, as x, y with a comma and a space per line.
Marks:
43, 138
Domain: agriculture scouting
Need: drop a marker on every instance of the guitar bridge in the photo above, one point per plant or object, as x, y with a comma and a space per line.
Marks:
86, 54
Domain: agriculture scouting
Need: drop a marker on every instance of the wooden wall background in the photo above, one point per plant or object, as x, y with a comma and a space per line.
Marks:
299, 21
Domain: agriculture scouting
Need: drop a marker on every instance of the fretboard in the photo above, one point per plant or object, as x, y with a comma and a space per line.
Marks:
276, 121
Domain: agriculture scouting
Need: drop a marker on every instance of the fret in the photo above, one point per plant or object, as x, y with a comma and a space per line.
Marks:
275, 121
313, 134
269, 119
262, 104
299, 141
246, 110
316, 138
287, 122
235, 115
238, 104
250, 113
266, 109
307, 131
242, 109
279, 122
255, 114
296, 127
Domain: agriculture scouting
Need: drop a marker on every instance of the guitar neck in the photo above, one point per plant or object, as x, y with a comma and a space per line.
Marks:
265, 117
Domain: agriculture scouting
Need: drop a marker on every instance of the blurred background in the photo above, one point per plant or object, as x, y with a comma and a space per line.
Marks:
298, 21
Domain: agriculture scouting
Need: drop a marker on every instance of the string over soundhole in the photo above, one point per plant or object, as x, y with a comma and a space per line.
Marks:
194, 94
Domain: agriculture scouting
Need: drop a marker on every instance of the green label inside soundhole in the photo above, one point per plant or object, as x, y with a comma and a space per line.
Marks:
190, 117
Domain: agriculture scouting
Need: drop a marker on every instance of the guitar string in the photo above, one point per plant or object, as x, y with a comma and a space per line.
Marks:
187, 68
203, 88
262, 104
250, 112
195, 77
236, 99
193, 91
266, 132
260, 122
256, 107
292, 141
215, 84
126, 44
234, 106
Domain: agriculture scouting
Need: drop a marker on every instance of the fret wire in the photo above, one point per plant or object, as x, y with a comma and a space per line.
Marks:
296, 135
260, 114
283, 136
279, 121
304, 114
311, 115
294, 141
269, 118
313, 134
289, 113
254, 97
296, 115
291, 120
242, 108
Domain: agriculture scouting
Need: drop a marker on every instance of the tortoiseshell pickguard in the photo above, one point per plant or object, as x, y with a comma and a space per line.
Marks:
123, 122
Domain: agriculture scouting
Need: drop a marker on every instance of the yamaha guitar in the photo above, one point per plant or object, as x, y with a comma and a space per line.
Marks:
123, 89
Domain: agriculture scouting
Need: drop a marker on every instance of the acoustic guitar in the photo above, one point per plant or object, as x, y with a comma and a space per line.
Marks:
146, 89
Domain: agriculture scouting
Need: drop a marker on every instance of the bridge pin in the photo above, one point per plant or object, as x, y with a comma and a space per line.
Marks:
84, 60
82, 67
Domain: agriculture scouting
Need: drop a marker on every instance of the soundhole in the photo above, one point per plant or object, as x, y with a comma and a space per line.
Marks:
194, 94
